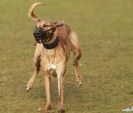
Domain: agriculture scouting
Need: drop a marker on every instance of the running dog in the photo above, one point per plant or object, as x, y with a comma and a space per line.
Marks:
54, 42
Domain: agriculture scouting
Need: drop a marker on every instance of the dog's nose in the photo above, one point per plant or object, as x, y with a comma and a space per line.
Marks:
38, 31
38, 34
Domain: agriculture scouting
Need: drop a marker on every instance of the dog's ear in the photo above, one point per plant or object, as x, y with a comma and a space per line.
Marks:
53, 25
58, 24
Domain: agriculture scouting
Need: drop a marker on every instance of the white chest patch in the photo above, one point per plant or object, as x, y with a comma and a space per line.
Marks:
51, 66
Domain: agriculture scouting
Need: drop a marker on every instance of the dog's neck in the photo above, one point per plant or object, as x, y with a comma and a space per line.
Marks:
53, 43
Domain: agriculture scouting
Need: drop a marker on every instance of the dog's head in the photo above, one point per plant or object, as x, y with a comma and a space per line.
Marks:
44, 31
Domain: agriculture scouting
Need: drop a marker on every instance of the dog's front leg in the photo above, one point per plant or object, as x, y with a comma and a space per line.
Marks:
60, 74
32, 79
36, 60
48, 93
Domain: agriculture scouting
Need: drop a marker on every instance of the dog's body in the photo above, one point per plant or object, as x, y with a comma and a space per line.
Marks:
54, 60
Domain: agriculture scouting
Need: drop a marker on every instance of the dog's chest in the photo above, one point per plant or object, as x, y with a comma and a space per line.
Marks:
50, 54
48, 59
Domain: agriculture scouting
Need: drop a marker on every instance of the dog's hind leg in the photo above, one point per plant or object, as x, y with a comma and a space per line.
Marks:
36, 61
77, 55
77, 71
60, 70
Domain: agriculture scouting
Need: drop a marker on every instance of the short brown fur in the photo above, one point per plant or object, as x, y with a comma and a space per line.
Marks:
58, 56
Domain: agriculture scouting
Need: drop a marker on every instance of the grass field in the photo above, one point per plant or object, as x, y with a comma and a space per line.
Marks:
105, 29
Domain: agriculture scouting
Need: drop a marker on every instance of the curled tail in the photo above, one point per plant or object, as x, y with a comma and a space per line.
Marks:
31, 13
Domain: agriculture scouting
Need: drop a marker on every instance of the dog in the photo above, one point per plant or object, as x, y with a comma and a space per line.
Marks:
54, 42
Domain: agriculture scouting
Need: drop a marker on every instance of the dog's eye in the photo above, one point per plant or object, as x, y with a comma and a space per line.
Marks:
45, 25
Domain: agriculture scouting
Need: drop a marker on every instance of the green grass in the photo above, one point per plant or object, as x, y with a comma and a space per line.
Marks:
105, 29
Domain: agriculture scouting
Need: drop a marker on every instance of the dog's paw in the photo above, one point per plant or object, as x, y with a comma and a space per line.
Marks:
29, 86
46, 109
41, 109
28, 89
61, 111
79, 83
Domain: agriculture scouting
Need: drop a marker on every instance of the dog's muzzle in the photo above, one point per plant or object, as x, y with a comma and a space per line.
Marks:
41, 35
44, 36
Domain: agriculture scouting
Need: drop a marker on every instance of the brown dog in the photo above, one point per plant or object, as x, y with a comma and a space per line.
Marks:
54, 40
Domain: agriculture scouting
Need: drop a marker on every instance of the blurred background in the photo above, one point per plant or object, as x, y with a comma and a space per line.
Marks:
105, 30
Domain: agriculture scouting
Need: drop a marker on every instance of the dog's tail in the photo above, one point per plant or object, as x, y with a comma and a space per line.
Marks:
75, 45
31, 13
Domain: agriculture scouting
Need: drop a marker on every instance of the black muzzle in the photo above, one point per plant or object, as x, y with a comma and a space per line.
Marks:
41, 35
